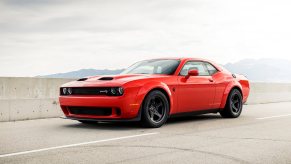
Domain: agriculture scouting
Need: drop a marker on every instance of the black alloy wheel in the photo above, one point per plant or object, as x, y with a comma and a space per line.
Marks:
155, 109
236, 103
233, 106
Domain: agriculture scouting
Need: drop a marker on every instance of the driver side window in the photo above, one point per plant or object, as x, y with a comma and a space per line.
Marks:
194, 65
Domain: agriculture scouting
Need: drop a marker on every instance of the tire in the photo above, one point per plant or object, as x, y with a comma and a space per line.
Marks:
155, 110
233, 106
88, 122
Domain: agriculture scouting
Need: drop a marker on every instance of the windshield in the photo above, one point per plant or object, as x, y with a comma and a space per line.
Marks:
156, 66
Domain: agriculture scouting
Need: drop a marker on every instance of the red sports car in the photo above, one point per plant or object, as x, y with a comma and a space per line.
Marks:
151, 91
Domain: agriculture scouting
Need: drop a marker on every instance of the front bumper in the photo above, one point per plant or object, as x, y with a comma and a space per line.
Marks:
138, 118
123, 107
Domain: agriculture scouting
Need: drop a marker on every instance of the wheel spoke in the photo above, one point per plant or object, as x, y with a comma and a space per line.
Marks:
235, 101
159, 105
158, 114
152, 101
235, 109
151, 114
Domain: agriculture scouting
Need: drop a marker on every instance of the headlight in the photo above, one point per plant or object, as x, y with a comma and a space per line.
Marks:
70, 91
120, 90
116, 91
64, 90
113, 91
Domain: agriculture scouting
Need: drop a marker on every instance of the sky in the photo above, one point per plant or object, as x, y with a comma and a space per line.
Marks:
39, 37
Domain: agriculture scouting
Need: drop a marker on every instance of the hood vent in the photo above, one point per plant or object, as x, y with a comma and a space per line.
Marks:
106, 78
82, 79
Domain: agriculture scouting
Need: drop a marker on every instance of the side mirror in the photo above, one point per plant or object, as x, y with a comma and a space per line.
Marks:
193, 72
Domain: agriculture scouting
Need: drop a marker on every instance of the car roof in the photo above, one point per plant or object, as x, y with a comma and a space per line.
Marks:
185, 59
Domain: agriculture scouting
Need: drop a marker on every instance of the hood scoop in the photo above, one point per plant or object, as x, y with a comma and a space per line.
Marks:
106, 78
82, 79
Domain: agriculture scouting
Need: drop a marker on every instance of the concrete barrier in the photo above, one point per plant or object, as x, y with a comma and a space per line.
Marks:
33, 98
29, 98
269, 93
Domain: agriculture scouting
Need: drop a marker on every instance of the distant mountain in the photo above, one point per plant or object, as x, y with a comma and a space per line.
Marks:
261, 70
84, 73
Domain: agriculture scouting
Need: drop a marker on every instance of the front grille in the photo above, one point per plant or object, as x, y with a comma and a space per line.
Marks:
88, 91
109, 91
94, 111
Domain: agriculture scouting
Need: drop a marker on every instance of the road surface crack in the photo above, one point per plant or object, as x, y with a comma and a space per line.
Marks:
238, 160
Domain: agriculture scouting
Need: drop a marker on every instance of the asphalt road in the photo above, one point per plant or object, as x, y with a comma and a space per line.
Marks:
261, 135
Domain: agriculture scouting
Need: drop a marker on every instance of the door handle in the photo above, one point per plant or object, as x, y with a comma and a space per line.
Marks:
211, 80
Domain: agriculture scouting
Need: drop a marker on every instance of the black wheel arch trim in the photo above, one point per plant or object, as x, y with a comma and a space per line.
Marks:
238, 88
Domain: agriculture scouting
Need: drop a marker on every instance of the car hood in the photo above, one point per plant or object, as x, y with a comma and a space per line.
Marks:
110, 80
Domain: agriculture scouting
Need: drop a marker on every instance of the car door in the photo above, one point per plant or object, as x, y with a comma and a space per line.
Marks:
195, 92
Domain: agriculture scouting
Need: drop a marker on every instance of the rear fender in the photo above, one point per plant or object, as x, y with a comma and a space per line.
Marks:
227, 90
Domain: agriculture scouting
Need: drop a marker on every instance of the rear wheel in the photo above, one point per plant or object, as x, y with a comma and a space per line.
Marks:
155, 109
233, 106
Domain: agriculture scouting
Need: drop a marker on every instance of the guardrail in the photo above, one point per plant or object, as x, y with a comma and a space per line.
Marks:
34, 98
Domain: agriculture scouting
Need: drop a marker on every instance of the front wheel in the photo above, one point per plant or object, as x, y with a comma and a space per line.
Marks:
155, 109
233, 106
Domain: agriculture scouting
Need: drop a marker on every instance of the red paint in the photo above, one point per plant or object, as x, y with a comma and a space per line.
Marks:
185, 93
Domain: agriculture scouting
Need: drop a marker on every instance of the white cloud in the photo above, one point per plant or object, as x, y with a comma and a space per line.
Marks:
42, 36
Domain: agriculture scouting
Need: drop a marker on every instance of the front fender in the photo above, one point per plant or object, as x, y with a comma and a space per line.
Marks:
146, 88
227, 90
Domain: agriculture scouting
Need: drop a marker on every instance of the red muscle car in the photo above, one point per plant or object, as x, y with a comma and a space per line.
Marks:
151, 91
